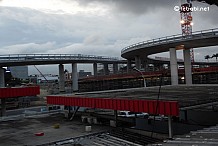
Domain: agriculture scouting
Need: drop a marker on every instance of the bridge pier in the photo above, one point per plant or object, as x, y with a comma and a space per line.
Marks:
106, 70
95, 71
137, 62
170, 130
75, 86
2, 77
61, 78
187, 66
173, 66
129, 65
2, 84
115, 68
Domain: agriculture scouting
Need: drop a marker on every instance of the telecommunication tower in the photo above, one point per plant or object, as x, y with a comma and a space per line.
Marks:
186, 22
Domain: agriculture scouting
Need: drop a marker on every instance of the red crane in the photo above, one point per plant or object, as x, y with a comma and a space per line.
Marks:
186, 22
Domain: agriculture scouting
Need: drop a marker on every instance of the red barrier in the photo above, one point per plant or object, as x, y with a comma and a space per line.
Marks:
19, 92
147, 106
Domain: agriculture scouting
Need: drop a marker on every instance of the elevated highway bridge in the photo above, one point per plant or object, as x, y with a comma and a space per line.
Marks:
44, 59
141, 50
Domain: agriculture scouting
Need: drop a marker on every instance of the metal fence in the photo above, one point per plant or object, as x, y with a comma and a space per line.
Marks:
53, 57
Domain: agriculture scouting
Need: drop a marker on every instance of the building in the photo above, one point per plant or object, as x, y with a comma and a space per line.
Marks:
82, 74
20, 72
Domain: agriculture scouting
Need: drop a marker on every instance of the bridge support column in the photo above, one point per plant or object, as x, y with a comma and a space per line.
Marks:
2, 84
2, 77
95, 71
188, 67
146, 66
115, 117
173, 67
106, 70
129, 66
61, 78
115, 68
170, 127
137, 62
74, 78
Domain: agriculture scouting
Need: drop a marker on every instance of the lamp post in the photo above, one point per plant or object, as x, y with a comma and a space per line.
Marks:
141, 75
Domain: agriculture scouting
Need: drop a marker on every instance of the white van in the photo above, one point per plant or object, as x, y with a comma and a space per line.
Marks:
132, 114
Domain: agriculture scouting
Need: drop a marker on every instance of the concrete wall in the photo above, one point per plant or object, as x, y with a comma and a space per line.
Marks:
200, 117
162, 126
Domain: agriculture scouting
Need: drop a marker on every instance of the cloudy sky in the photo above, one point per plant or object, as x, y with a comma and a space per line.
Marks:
95, 27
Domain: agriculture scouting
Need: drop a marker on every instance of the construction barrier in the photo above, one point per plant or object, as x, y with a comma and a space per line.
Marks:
19, 91
147, 106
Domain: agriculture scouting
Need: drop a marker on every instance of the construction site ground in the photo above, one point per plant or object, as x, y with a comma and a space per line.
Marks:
22, 132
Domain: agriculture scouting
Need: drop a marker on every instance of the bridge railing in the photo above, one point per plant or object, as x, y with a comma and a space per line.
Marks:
35, 57
173, 38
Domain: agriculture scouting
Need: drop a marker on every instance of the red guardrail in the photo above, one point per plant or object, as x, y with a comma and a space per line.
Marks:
147, 106
19, 91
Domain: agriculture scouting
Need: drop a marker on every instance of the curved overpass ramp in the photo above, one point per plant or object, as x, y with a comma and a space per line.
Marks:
198, 39
172, 43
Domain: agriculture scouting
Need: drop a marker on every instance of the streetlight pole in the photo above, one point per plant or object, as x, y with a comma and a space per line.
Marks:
141, 75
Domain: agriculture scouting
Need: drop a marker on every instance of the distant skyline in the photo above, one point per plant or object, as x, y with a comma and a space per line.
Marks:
95, 27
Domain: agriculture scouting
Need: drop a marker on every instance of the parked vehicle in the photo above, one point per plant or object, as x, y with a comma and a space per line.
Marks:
158, 117
132, 114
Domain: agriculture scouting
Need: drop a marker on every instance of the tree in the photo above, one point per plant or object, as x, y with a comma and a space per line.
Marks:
215, 55
207, 57
11, 81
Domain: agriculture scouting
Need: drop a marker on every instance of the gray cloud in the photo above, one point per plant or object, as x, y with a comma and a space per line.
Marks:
141, 7
131, 6
209, 17
126, 22
210, 2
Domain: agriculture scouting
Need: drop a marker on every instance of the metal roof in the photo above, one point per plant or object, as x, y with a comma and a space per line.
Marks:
204, 137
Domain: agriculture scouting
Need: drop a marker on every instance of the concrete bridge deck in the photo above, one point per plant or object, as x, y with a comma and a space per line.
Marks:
42, 59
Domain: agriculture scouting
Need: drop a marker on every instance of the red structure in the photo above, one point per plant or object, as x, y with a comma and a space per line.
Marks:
19, 92
147, 74
170, 108
186, 23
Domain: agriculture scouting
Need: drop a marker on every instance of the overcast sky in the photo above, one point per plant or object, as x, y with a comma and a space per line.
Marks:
95, 27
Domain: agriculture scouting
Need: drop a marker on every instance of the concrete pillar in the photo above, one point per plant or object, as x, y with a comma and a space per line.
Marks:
146, 66
115, 68
74, 77
3, 107
137, 62
61, 78
2, 84
129, 66
106, 70
188, 66
115, 117
173, 66
95, 71
2, 77
170, 127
